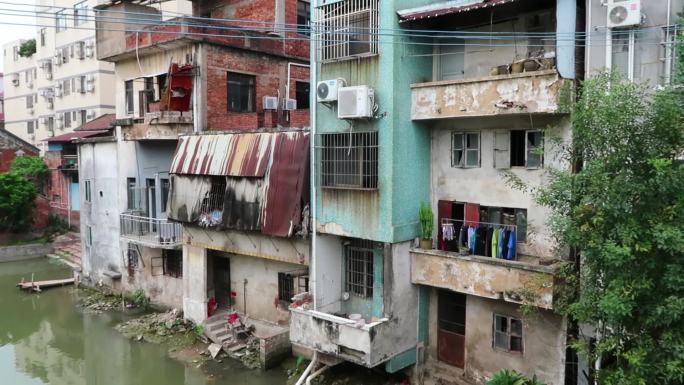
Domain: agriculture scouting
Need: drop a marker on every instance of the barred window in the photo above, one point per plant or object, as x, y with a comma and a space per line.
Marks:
349, 161
173, 263
291, 283
348, 29
359, 267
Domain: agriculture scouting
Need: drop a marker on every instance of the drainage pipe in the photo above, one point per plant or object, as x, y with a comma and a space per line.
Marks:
316, 373
308, 369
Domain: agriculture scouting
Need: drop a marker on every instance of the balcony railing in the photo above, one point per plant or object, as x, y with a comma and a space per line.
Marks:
69, 162
151, 232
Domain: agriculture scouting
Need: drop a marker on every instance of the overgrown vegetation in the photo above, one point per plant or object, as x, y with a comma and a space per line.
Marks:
139, 299
27, 48
426, 218
17, 201
511, 377
620, 211
29, 167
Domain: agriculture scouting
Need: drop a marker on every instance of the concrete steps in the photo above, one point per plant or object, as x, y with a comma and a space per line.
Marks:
70, 252
216, 329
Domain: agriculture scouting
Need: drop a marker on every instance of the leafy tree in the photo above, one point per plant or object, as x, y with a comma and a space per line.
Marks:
17, 196
29, 166
623, 210
678, 71
27, 48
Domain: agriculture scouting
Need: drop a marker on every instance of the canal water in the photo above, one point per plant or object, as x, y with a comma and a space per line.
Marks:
46, 339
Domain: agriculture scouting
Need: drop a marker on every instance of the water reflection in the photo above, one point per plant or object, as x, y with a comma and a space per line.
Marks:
44, 340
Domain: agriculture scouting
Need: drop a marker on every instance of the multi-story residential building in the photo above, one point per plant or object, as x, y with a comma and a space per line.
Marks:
208, 198
450, 100
62, 85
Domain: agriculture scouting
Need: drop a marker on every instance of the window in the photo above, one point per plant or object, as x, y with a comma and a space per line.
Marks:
161, 84
465, 148
66, 88
15, 52
173, 263
508, 333
451, 59
303, 17
241, 92
83, 116
30, 127
67, 119
51, 125
88, 192
60, 21
165, 187
622, 55
213, 202
349, 160
302, 90
359, 268
132, 257
89, 236
29, 101
43, 34
128, 85
519, 148
132, 194
291, 283
349, 29
80, 12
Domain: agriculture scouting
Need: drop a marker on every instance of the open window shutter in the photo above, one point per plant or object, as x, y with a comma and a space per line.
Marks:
472, 213
444, 210
502, 157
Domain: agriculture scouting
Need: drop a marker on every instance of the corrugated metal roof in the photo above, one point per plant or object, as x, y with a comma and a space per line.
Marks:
446, 8
229, 154
266, 185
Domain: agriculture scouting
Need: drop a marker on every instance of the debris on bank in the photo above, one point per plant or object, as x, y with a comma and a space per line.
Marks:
95, 301
169, 328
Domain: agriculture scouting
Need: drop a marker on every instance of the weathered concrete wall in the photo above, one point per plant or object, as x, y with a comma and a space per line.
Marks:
527, 93
486, 185
543, 338
648, 51
98, 164
21, 252
273, 349
484, 277
328, 279
161, 289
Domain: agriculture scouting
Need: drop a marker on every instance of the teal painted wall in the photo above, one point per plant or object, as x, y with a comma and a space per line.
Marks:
390, 213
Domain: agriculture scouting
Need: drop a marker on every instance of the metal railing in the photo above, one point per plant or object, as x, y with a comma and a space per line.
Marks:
150, 231
70, 161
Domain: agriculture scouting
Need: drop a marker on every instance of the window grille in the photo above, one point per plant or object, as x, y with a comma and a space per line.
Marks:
173, 263
349, 161
348, 29
211, 209
132, 257
359, 268
291, 283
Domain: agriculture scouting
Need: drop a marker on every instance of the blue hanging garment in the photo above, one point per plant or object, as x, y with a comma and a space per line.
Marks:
512, 243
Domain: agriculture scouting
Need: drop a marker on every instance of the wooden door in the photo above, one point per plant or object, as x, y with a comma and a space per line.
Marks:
451, 314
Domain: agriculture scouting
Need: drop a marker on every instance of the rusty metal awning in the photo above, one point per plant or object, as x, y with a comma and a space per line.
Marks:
265, 179
446, 8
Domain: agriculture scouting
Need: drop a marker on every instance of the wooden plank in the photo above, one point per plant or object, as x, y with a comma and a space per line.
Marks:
37, 286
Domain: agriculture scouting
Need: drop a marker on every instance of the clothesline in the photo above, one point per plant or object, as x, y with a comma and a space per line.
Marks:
488, 239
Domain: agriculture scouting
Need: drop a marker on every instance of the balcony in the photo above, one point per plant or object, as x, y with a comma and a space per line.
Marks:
69, 163
537, 92
151, 232
523, 281
368, 345
158, 125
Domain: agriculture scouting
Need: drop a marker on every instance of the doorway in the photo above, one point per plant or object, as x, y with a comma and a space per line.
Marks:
451, 323
221, 277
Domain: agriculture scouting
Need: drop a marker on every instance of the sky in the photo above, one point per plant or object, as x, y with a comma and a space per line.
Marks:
13, 32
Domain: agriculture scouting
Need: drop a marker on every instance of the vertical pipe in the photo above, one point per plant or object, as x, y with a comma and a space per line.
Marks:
669, 46
587, 42
312, 140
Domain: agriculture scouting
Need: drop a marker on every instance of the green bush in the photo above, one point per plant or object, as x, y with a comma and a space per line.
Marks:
27, 48
29, 167
511, 377
139, 299
17, 201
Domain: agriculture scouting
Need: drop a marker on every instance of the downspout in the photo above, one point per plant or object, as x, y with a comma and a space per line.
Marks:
587, 44
669, 46
312, 139
197, 88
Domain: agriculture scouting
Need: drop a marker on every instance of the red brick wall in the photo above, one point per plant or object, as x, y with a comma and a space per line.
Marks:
58, 187
6, 158
271, 76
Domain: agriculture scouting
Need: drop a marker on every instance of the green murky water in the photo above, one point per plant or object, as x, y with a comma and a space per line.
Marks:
46, 339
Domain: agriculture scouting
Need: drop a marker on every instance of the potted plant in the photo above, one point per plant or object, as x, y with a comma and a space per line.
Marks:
426, 218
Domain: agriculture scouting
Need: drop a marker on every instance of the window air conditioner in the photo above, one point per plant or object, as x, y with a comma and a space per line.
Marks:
290, 104
326, 90
270, 102
355, 102
624, 13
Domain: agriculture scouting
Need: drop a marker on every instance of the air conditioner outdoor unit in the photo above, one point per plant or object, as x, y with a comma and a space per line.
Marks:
15, 79
624, 13
355, 102
90, 48
270, 102
290, 104
326, 90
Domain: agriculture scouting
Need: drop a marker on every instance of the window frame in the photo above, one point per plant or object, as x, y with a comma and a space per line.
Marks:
87, 191
237, 79
172, 263
303, 95
508, 333
304, 17
89, 236
80, 18
60, 21
464, 135
342, 168
42, 33
347, 16
528, 150
129, 99
30, 127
